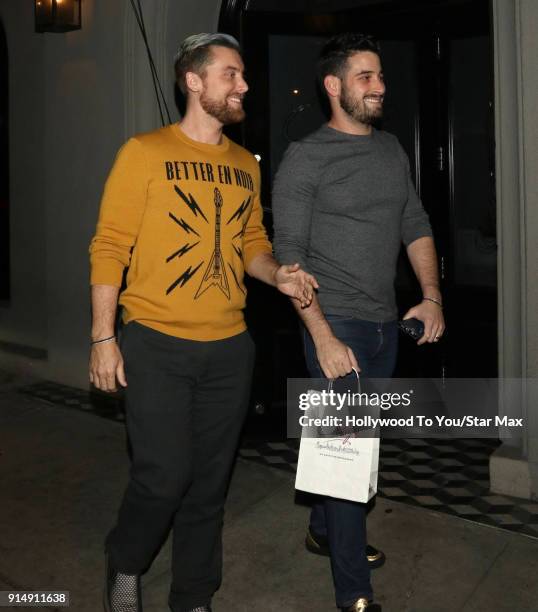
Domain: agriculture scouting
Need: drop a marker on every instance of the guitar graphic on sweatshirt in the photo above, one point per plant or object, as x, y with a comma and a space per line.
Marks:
215, 274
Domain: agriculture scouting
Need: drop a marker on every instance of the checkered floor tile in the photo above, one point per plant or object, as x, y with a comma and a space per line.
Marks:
450, 476
106, 406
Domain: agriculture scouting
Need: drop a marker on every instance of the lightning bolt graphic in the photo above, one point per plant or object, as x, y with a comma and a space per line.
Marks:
240, 233
184, 278
238, 251
236, 281
184, 249
183, 224
191, 203
240, 211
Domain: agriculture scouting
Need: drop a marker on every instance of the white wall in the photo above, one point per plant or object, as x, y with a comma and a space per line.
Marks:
74, 98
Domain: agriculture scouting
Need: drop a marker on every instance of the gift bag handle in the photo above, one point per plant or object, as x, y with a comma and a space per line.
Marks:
331, 380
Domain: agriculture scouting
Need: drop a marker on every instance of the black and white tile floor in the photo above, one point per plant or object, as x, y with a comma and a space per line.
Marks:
101, 404
450, 476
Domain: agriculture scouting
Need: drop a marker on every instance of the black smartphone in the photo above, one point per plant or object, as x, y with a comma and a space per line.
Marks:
412, 327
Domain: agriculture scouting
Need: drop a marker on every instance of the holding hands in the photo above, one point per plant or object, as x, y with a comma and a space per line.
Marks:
296, 283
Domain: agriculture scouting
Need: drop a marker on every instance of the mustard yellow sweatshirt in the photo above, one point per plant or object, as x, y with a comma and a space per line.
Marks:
186, 218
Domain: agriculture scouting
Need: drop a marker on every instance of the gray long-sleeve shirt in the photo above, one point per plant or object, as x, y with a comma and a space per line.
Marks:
342, 205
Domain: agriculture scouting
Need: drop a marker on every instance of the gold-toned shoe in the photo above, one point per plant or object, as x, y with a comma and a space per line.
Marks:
376, 557
363, 605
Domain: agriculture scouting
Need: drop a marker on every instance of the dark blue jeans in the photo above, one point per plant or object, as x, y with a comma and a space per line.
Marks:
375, 346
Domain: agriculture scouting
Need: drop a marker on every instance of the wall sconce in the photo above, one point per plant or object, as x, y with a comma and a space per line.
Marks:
57, 15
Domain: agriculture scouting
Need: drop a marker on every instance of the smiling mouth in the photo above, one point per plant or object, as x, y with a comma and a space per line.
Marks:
374, 100
237, 101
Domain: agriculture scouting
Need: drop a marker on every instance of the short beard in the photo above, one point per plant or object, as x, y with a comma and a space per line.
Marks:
220, 110
358, 110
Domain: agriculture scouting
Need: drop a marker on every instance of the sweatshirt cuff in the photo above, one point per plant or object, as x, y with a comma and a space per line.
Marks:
109, 274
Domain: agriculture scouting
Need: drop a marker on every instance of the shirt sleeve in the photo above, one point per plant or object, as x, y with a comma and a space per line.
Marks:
120, 216
415, 221
294, 191
255, 241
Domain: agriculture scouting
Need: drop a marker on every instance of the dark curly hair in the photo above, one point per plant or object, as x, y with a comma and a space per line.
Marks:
335, 52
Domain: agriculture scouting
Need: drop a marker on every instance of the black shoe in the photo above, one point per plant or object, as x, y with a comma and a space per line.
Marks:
122, 591
319, 545
362, 605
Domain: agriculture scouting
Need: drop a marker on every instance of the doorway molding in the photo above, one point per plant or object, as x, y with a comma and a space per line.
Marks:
514, 466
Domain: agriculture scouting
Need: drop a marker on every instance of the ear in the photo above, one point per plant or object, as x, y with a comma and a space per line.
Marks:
333, 85
193, 82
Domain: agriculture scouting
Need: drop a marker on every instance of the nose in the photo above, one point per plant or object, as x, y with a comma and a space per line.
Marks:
242, 85
380, 85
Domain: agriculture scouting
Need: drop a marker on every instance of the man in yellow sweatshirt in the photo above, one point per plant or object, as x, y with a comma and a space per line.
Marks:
181, 209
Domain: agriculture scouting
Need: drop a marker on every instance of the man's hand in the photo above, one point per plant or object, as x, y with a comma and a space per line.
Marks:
335, 358
296, 283
431, 315
106, 366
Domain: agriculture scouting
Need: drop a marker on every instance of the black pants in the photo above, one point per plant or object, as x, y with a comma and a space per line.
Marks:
186, 402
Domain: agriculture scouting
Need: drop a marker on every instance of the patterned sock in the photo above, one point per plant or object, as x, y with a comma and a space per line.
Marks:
124, 593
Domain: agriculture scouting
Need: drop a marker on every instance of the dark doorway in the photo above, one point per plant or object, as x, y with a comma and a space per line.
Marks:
4, 169
437, 58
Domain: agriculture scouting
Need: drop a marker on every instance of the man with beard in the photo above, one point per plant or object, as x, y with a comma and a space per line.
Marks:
181, 208
343, 202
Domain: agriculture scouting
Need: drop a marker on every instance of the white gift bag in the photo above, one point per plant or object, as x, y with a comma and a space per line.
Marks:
341, 467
